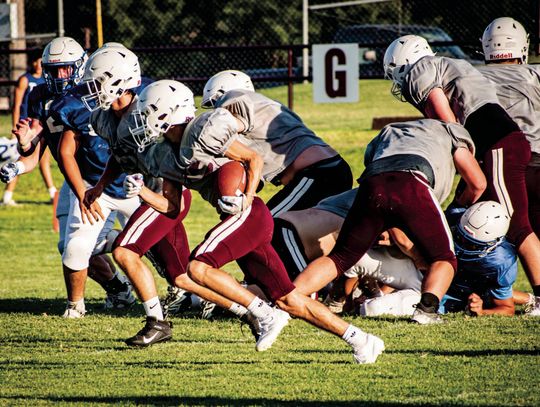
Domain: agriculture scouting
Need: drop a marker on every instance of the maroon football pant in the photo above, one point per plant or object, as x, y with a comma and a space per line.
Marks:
532, 179
247, 238
505, 166
394, 199
149, 229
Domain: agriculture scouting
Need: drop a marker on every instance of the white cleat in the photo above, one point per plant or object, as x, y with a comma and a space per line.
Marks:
368, 352
532, 308
426, 318
73, 313
271, 327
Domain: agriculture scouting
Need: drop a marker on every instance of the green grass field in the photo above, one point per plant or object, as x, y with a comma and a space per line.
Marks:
44, 359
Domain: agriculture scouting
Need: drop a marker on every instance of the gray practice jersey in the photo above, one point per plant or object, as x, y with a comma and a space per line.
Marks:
276, 133
466, 89
518, 90
200, 154
123, 147
433, 140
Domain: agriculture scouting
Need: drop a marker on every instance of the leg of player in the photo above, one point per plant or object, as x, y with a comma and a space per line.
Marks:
7, 199
271, 320
366, 347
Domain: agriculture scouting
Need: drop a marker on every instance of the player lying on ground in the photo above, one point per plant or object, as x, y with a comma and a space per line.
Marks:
410, 169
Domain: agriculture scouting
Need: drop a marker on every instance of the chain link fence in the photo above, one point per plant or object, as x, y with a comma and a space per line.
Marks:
191, 40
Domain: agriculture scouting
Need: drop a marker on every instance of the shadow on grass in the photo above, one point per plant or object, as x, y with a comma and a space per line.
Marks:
56, 307
211, 401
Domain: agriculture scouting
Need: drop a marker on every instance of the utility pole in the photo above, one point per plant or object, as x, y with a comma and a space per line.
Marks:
17, 62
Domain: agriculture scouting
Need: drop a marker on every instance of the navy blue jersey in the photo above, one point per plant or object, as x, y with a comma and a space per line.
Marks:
94, 152
32, 83
39, 107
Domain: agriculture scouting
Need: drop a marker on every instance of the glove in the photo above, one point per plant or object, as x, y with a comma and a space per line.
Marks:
10, 171
232, 204
133, 185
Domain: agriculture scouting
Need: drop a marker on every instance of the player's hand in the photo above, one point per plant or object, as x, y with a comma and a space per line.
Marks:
9, 172
233, 204
384, 239
92, 194
26, 130
475, 304
92, 213
133, 184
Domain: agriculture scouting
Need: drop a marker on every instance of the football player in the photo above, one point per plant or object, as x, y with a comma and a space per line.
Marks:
193, 150
25, 84
506, 44
294, 156
112, 76
63, 64
454, 91
410, 169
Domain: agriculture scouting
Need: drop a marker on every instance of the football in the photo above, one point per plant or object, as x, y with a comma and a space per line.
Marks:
231, 179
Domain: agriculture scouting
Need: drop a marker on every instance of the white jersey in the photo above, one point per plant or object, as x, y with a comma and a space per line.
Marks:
518, 90
276, 133
433, 141
8, 151
466, 89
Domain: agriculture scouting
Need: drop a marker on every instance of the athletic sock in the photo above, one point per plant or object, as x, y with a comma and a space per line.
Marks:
8, 195
115, 284
429, 302
259, 308
152, 308
52, 192
78, 305
238, 309
354, 336
536, 290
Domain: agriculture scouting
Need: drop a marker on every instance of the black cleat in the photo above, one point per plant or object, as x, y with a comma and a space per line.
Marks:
154, 331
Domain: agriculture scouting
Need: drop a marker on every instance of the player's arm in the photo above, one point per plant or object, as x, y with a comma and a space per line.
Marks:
253, 163
112, 172
437, 106
501, 307
408, 248
22, 85
24, 164
27, 132
169, 203
470, 171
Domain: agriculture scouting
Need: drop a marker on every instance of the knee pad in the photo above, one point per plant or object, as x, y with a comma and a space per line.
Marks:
77, 253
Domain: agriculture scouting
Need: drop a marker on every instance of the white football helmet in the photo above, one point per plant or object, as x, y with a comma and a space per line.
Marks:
223, 82
484, 222
110, 71
60, 53
505, 38
161, 105
400, 56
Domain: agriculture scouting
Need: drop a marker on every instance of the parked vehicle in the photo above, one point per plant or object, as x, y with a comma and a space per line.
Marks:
373, 39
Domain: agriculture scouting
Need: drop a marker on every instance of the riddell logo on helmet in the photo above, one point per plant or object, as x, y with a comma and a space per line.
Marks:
506, 55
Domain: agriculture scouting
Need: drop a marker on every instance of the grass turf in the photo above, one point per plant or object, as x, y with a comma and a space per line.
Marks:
45, 359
